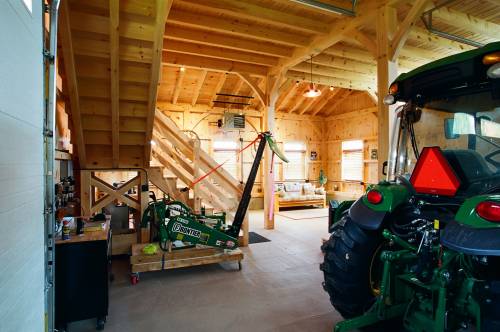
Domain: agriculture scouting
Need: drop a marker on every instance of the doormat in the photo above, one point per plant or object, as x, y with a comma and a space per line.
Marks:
256, 238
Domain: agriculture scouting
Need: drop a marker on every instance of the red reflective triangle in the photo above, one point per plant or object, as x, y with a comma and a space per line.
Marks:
433, 174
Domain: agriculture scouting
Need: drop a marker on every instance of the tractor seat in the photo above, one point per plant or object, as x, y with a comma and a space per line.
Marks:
469, 165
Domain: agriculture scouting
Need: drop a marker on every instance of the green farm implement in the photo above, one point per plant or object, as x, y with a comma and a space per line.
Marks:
173, 221
420, 251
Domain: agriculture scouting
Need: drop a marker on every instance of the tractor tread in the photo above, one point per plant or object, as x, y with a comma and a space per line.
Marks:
346, 264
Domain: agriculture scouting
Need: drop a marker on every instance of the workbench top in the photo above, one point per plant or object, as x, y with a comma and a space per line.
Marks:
101, 235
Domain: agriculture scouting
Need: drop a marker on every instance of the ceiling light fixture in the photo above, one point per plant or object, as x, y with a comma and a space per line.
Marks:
183, 68
312, 91
331, 87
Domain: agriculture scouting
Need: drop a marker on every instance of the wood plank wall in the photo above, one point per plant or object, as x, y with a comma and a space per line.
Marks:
345, 125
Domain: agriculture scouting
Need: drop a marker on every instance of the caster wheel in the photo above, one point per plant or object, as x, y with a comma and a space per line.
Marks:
134, 279
100, 324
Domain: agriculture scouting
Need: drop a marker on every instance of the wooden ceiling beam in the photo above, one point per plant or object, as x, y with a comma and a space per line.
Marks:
237, 86
218, 87
134, 52
204, 109
114, 50
325, 100
178, 84
131, 29
161, 13
71, 80
236, 27
254, 86
426, 37
345, 64
219, 53
403, 30
337, 31
198, 108
199, 85
193, 61
342, 97
465, 21
252, 11
136, 7
299, 99
349, 52
364, 40
99, 69
280, 104
333, 81
357, 113
226, 41
333, 72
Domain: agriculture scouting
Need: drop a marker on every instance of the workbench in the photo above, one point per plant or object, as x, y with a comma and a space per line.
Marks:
82, 277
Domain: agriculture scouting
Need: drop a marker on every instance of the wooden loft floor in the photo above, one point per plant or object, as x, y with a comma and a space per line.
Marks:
119, 59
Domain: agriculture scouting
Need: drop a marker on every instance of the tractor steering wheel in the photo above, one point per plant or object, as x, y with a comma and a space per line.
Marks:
405, 182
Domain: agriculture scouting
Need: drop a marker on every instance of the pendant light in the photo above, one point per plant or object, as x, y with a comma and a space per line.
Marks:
312, 91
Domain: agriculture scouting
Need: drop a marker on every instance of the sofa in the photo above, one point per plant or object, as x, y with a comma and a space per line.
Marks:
291, 194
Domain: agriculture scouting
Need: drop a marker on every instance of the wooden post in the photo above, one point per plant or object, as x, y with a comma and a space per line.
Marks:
243, 240
386, 73
272, 93
85, 194
144, 200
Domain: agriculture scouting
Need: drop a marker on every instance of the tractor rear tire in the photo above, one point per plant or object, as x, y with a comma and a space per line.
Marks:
349, 257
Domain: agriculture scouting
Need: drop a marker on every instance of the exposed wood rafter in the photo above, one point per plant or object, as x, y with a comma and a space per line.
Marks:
71, 81
325, 101
404, 28
178, 84
218, 87
199, 85
162, 10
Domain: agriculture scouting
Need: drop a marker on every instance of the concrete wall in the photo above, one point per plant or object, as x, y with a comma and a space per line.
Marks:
21, 168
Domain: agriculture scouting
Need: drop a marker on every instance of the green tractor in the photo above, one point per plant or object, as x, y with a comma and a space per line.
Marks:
420, 251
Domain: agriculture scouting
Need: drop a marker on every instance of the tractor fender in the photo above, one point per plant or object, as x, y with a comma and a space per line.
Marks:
365, 217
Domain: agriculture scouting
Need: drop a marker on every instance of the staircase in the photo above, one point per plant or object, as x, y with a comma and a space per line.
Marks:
180, 160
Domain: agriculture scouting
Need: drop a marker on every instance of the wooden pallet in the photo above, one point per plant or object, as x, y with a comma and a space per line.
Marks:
141, 262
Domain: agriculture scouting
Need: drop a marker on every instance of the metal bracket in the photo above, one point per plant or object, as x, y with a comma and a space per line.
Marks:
329, 7
48, 55
427, 19
48, 133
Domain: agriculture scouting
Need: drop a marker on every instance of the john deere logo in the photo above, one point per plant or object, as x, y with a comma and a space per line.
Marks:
186, 230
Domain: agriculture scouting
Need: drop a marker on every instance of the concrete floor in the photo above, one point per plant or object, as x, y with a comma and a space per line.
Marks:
279, 289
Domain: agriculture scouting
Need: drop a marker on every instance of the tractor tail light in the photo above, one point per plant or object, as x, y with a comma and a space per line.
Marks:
393, 89
489, 210
374, 197
492, 58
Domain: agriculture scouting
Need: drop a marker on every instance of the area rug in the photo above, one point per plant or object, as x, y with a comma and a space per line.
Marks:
256, 238
304, 214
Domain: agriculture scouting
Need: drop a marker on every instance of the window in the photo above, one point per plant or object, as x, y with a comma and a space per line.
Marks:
352, 160
226, 151
295, 169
